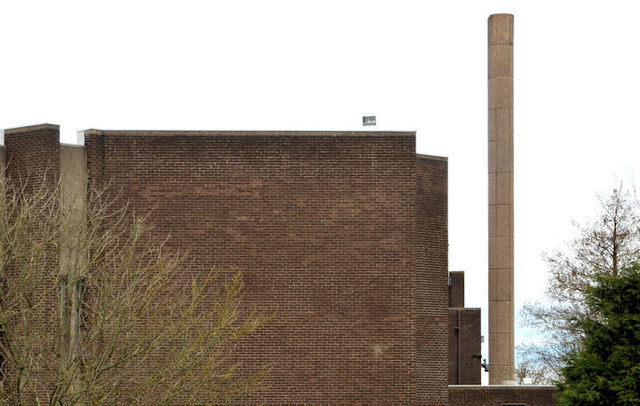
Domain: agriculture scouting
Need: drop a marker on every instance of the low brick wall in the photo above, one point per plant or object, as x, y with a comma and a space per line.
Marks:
471, 395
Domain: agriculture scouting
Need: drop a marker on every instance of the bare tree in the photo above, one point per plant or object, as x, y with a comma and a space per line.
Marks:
93, 312
530, 371
608, 244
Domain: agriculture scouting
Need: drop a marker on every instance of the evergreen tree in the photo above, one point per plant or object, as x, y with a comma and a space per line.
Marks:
606, 370
607, 244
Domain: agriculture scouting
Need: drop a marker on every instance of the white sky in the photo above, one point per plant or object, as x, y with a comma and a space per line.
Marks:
321, 65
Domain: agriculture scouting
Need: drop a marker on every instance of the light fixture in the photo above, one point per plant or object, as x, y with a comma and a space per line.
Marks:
369, 120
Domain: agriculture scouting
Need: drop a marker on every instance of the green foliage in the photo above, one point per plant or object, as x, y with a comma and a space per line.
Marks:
608, 243
606, 371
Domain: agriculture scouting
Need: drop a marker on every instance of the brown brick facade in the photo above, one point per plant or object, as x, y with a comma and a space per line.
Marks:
464, 346
502, 395
343, 235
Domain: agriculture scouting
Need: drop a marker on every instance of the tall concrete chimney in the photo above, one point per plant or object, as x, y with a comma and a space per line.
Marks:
501, 328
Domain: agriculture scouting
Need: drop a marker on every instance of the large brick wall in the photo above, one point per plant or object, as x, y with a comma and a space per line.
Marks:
344, 235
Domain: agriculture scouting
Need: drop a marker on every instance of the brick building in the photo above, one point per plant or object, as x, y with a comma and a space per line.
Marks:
344, 234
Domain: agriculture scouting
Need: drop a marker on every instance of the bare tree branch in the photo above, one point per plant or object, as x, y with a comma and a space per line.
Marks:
93, 312
608, 244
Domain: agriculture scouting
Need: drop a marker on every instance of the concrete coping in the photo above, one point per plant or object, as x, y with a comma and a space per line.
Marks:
259, 133
502, 387
81, 135
433, 157
18, 130
55, 127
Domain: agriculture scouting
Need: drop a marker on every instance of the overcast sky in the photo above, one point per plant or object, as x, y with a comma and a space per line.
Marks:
321, 65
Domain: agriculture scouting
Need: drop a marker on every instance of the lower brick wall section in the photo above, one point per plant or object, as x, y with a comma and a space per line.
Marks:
464, 346
472, 395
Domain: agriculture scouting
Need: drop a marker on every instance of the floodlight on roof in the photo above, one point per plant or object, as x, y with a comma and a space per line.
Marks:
369, 120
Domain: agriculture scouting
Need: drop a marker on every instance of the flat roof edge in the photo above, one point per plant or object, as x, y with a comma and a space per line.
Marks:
169, 133
434, 158
36, 127
514, 387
